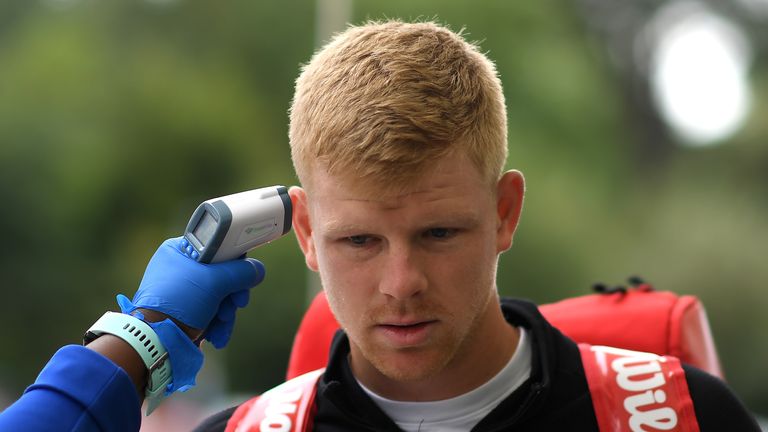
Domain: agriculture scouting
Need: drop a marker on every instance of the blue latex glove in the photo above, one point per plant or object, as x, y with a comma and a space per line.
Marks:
202, 296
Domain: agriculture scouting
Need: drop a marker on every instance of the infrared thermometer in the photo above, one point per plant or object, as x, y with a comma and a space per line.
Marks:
227, 227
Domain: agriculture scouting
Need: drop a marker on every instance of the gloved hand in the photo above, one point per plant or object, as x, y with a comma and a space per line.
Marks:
202, 296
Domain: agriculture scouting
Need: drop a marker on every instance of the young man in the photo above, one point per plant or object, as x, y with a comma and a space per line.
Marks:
398, 136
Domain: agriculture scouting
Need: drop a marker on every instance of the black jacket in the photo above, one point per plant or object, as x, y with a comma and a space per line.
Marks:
554, 398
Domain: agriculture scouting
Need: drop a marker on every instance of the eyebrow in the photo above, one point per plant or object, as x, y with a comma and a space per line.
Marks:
332, 227
463, 219
459, 219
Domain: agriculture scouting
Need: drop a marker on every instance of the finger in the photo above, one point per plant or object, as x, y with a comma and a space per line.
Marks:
241, 298
258, 268
226, 310
244, 274
218, 333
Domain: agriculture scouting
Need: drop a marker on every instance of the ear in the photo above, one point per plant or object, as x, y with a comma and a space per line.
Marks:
509, 195
302, 225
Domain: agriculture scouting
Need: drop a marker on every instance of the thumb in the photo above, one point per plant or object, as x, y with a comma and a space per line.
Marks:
243, 274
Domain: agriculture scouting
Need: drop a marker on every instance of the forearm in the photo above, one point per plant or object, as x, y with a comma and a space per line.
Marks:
78, 390
124, 356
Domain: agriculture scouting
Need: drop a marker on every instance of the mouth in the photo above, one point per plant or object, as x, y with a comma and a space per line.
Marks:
407, 334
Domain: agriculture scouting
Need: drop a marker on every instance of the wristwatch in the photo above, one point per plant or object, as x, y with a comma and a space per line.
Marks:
146, 343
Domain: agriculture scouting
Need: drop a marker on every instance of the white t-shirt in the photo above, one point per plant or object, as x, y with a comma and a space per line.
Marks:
463, 412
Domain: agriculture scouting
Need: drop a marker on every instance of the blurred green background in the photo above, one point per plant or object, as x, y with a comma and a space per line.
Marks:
118, 117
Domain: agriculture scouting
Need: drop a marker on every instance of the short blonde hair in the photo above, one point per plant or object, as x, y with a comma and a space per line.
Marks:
382, 100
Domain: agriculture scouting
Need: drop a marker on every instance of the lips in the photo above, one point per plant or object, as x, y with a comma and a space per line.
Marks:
406, 334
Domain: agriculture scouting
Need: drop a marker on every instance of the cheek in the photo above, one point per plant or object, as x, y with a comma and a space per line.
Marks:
344, 285
471, 273
472, 287
477, 257
335, 272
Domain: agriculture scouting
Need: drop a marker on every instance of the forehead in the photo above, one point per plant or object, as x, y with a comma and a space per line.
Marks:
451, 174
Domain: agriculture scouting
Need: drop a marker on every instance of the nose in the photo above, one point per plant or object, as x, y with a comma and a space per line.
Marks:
403, 274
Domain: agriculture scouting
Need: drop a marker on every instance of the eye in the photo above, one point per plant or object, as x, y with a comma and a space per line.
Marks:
358, 240
440, 233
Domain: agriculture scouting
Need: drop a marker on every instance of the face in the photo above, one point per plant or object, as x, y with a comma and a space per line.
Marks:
411, 276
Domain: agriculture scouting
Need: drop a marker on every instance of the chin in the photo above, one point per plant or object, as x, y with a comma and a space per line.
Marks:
410, 367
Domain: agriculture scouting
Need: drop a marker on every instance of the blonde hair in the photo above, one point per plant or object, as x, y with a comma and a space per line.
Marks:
382, 100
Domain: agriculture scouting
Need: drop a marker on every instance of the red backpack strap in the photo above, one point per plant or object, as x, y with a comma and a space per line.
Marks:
636, 391
288, 407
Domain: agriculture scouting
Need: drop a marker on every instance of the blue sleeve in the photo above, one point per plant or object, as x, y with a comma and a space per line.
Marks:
78, 390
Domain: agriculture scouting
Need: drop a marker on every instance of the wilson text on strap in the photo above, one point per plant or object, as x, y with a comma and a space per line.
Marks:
636, 391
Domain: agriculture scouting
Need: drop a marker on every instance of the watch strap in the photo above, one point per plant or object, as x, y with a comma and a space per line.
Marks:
147, 344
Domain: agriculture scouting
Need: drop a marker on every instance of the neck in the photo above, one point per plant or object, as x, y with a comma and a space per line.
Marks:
487, 348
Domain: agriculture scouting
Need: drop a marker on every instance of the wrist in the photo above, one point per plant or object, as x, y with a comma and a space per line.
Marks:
145, 342
185, 356
153, 316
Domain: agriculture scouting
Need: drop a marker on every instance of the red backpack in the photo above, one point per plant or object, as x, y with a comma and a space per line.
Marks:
632, 342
